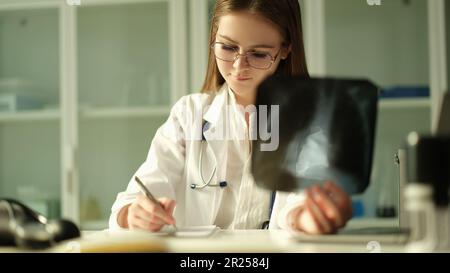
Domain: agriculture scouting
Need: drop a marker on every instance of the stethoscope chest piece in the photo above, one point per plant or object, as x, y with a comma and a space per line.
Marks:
221, 184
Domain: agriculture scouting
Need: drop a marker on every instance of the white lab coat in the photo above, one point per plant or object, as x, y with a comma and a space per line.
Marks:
172, 166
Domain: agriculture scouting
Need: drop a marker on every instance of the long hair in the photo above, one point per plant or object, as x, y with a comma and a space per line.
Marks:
285, 14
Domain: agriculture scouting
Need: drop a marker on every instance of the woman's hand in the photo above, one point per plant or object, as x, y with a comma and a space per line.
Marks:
145, 214
326, 209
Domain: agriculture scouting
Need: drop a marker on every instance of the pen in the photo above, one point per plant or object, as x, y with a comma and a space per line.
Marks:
149, 194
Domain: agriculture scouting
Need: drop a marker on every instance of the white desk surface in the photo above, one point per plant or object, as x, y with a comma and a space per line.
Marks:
222, 241
229, 241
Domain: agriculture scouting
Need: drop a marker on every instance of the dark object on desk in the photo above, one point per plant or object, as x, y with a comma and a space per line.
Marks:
428, 157
428, 162
21, 226
326, 132
386, 212
443, 127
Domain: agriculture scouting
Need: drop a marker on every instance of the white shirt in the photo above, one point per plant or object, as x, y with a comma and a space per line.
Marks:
252, 203
172, 165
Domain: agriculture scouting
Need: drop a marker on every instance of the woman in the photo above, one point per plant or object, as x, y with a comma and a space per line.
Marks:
209, 180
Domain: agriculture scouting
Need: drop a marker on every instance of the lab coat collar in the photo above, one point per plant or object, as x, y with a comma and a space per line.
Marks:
216, 115
224, 114
217, 107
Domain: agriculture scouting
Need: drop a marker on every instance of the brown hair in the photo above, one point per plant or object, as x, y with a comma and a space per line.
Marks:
285, 14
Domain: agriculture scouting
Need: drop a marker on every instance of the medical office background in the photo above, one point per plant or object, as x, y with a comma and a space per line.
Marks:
84, 88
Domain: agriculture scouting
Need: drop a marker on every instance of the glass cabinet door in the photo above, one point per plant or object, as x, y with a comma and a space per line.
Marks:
29, 105
124, 92
387, 44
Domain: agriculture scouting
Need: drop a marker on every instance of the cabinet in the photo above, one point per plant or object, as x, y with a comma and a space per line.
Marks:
30, 150
124, 94
104, 75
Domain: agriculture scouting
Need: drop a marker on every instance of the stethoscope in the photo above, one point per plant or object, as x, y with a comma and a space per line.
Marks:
206, 183
221, 184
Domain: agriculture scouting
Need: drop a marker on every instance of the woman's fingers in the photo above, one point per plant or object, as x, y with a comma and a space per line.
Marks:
140, 218
155, 209
147, 215
141, 213
137, 223
324, 210
168, 205
317, 213
294, 218
310, 224
340, 198
150, 218
328, 207
155, 224
302, 219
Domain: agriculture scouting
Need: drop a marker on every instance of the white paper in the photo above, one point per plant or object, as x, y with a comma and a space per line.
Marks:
193, 231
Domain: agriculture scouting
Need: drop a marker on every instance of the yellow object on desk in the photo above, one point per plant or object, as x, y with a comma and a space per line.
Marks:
114, 241
131, 240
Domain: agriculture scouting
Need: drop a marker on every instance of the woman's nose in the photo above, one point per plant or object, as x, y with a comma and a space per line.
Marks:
240, 61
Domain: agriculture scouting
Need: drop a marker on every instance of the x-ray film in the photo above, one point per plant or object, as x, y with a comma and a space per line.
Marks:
326, 130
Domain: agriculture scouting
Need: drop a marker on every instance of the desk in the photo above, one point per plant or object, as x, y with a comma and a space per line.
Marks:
276, 241
265, 241
222, 241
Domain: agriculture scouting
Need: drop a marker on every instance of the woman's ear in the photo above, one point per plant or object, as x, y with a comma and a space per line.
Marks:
285, 52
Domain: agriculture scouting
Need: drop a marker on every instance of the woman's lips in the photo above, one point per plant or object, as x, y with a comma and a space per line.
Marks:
241, 78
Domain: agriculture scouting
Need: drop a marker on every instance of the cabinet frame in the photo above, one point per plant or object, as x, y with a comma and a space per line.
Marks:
69, 113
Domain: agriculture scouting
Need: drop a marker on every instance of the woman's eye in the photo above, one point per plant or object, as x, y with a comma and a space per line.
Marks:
259, 55
228, 48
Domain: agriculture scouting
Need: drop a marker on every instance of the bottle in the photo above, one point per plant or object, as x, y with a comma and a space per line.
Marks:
386, 207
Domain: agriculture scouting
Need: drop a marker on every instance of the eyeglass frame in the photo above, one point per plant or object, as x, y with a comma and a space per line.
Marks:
237, 54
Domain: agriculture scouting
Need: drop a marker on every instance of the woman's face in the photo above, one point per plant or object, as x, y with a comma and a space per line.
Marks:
248, 32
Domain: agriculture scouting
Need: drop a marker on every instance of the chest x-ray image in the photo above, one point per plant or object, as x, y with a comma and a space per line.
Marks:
326, 131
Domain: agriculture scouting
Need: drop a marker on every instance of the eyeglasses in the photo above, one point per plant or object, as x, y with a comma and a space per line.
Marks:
255, 59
